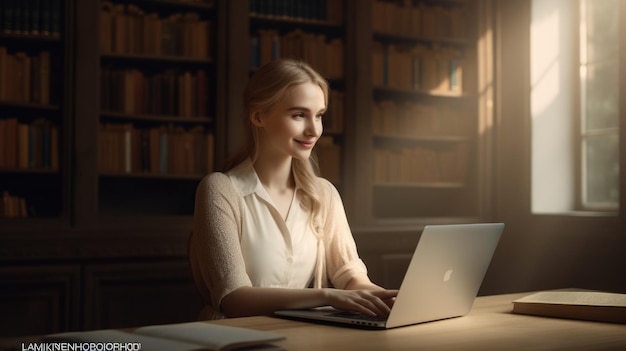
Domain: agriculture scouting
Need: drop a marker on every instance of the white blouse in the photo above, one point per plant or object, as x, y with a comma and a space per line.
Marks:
277, 252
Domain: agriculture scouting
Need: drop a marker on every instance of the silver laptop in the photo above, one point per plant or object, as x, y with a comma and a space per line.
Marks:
442, 280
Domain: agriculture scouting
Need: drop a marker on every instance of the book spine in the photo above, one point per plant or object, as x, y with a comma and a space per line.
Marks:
254, 44
45, 145
54, 148
35, 24
11, 143
163, 153
128, 165
55, 18
18, 10
46, 17
275, 47
22, 142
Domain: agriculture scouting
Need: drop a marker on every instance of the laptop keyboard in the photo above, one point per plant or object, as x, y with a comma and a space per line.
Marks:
360, 316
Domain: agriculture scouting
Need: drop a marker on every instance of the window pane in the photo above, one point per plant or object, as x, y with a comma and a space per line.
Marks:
600, 103
601, 27
602, 170
601, 96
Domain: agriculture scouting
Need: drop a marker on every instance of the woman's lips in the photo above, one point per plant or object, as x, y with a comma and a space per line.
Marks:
307, 144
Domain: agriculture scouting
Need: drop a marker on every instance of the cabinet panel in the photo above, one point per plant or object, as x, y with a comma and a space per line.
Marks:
38, 300
126, 295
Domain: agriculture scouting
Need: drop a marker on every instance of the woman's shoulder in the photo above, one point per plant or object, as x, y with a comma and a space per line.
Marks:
216, 179
326, 188
217, 182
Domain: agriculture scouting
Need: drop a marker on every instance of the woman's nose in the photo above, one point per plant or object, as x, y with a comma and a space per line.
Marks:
313, 127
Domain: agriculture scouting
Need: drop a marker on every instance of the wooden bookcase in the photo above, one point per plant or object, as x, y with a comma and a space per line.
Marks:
418, 109
35, 113
150, 102
101, 209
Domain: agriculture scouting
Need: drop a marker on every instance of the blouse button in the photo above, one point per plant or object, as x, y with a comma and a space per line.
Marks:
290, 259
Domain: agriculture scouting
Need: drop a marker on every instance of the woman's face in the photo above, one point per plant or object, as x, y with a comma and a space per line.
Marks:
294, 124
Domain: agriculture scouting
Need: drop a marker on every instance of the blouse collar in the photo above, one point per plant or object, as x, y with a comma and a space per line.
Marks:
246, 179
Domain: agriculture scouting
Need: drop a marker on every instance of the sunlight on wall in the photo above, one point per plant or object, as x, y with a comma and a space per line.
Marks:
552, 75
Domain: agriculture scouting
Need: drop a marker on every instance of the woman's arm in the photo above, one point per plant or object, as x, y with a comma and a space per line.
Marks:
248, 301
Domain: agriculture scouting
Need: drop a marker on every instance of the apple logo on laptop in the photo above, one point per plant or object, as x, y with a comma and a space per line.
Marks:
448, 275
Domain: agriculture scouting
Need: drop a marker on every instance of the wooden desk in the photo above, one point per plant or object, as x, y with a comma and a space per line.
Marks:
489, 326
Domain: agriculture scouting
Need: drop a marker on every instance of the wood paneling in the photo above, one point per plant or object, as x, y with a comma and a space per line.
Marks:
39, 299
121, 295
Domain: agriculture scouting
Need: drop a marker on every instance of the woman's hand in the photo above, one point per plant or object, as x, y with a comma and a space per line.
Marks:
369, 302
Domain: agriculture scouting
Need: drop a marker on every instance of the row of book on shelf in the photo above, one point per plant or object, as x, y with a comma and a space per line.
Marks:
305, 10
168, 149
127, 29
24, 78
418, 19
164, 150
12, 206
31, 17
418, 68
412, 119
32, 145
171, 92
321, 52
415, 165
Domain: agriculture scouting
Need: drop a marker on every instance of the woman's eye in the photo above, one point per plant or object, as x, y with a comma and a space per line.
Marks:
298, 115
320, 116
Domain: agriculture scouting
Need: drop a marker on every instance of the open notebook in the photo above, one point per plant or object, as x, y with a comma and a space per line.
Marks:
442, 280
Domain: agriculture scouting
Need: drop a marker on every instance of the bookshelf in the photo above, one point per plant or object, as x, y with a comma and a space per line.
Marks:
35, 112
423, 117
153, 135
313, 31
109, 203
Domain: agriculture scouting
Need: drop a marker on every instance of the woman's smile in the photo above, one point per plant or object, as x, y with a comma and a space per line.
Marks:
306, 144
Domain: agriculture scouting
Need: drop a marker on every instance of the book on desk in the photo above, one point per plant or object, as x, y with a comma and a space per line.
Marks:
176, 337
573, 304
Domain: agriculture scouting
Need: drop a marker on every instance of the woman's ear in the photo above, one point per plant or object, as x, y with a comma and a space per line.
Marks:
256, 119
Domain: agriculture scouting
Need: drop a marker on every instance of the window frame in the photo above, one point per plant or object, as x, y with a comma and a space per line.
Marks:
580, 132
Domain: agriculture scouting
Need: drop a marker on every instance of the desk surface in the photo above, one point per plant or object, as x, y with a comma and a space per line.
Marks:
489, 326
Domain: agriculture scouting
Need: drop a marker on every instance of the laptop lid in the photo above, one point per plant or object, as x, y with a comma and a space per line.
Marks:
442, 280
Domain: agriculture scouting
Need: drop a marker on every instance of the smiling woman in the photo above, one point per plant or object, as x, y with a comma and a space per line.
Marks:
269, 228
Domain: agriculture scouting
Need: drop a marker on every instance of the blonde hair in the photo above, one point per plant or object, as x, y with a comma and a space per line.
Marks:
266, 87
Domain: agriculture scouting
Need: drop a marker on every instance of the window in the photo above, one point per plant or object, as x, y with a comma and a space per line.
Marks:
599, 104
575, 105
